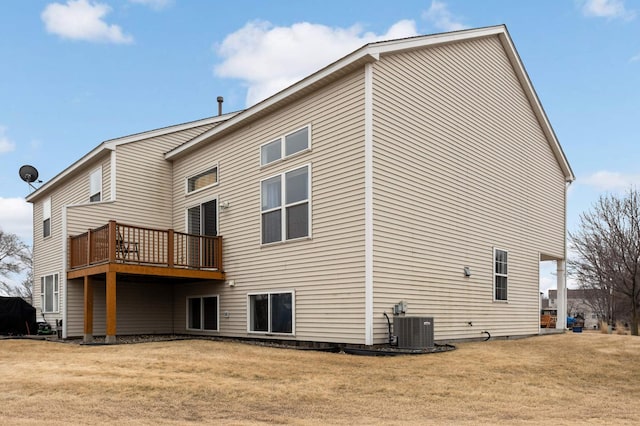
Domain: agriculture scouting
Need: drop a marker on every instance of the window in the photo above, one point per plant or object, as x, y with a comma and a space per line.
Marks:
202, 313
49, 293
271, 313
500, 274
202, 220
95, 185
46, 218
202, 180
285, 217
285, 146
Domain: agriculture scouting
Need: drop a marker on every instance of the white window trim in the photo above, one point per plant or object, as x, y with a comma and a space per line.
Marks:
269, 293
56, 294
204, 188
500, 275
201, 297
283, 149
46, 214
283, 206
97, 171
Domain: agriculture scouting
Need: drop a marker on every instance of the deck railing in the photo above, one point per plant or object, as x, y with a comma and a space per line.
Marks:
117, 242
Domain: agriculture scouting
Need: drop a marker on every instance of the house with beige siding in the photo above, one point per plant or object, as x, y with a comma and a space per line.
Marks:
421, 173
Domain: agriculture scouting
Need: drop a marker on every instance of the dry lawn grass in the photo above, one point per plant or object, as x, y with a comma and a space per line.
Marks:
560, 379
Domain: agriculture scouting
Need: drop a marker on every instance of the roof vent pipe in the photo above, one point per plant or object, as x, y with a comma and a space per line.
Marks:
220, 101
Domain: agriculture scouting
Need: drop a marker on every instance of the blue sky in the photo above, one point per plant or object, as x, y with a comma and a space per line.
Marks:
75, 73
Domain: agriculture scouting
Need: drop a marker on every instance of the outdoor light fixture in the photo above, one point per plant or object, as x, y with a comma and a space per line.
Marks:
467, 271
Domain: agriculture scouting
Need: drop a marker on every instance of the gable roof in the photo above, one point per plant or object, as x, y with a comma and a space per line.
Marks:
111, 144
370, 53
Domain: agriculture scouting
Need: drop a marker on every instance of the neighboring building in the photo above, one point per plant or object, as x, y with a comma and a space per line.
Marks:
578, 306
421, 170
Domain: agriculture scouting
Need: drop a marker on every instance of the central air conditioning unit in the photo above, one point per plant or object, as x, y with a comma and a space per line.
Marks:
414, 332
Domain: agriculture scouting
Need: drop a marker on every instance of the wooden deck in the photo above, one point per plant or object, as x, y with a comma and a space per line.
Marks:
116, 248
144, 251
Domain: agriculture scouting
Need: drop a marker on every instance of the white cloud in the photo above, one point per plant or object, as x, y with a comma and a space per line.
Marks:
82, 20
635, 58
269, 58
6, 144
440, 16
610, 9
16, 217
153, 4
611, 181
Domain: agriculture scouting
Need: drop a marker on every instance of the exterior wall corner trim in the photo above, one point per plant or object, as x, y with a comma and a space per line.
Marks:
368, 201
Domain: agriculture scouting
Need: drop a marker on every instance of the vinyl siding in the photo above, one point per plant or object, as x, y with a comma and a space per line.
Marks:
326, 271
48, 253
142, 199
142, 308
460, 165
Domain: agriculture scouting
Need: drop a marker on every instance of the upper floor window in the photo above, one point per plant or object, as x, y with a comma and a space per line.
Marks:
49, 293
46, 217
95, 185
202, 180
285, 146
285, 206
500, 275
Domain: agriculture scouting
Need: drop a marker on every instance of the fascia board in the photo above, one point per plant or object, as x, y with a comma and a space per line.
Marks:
100, 149
171, 129
111, 144
536, 105
396, 46
365, 54
361, 55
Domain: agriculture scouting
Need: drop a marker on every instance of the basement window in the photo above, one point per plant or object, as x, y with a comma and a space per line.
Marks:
202, 313
271, 313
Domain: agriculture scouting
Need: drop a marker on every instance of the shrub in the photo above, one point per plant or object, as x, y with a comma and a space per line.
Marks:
620, 328
604, 327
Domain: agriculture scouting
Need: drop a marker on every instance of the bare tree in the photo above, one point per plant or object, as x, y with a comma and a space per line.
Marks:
25, 288
15, 258
608, 255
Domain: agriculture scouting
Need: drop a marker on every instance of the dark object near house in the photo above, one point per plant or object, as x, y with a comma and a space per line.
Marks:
17, 317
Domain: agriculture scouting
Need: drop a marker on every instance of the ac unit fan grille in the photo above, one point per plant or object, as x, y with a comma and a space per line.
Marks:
414, 332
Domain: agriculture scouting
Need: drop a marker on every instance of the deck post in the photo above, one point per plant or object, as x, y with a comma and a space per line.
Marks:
219, 254
170, 237
561, 321
111, 306
72, 253
112, 241
88, 309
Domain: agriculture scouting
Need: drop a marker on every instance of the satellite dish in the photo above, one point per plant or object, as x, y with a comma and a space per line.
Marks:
28, 173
